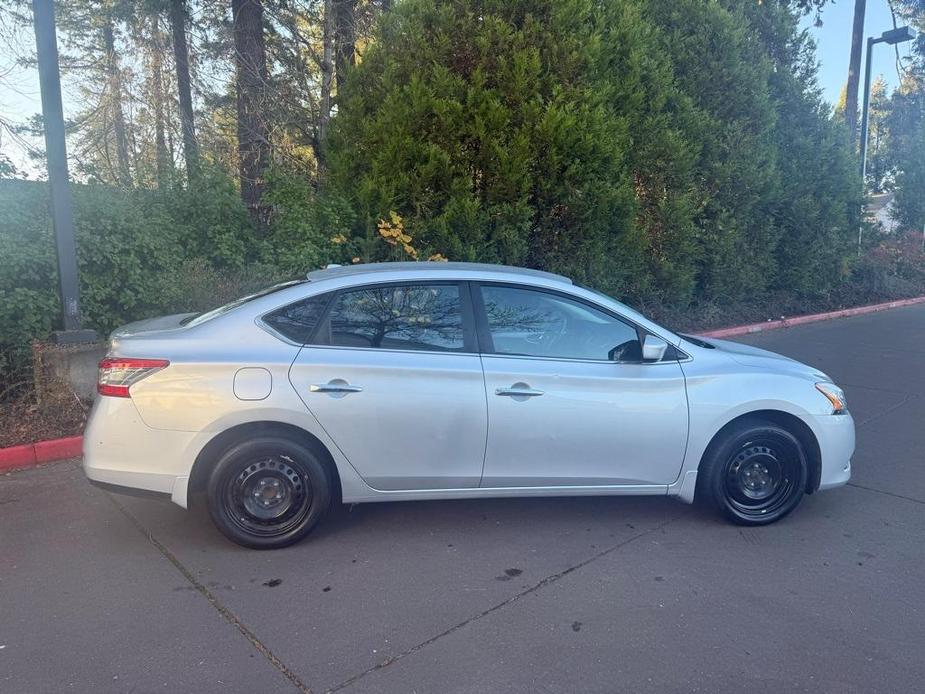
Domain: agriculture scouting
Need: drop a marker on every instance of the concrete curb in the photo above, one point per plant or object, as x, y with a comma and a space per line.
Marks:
810, 318
33, 454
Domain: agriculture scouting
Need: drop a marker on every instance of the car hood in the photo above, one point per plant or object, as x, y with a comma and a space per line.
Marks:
151, 325
746, 355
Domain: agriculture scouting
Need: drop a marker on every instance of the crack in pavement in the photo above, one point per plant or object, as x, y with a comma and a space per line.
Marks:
880, 491
217, 604
885, 412
548, 580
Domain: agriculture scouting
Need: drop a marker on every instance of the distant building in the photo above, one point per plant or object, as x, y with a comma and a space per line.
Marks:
879, 210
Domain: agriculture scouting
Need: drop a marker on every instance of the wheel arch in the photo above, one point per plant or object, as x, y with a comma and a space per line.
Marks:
210, 453
791, 423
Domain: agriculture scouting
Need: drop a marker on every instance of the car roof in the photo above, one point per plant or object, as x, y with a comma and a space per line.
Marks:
335, 271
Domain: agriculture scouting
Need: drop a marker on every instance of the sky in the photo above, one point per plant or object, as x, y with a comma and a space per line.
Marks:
19, 89
833, 47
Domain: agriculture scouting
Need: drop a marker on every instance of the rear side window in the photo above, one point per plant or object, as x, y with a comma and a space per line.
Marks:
298, 321
407, 317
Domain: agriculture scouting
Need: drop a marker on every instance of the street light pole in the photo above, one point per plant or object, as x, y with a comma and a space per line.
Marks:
891, 37
62, 212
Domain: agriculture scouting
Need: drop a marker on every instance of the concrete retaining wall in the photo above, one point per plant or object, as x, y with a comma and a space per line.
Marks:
73, 366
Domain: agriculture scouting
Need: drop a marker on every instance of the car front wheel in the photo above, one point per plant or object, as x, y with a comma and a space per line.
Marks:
268, 492
756, 474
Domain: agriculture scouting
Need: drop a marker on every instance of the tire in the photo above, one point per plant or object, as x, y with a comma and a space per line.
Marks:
268, 492
755, 474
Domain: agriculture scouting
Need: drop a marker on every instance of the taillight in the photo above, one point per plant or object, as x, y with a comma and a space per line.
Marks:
117, 374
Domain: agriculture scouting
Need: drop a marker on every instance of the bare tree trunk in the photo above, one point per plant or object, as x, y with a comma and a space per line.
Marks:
327, 74
345, 38
115, 102
184, 93
854, 69
253, 130
162, 160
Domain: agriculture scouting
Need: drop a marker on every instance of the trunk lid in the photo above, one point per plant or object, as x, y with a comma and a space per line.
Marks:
152, 325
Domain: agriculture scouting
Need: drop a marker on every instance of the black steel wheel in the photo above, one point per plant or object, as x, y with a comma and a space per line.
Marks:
268, 492
755, 474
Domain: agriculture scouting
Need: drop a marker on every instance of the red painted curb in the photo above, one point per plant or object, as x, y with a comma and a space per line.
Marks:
58, 449
17, 457
32, 454
811, 318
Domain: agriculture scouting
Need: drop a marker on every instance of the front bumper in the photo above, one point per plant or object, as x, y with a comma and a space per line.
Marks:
836, 438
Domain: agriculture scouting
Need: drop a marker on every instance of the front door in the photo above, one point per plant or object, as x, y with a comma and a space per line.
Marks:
569, 400
394, 378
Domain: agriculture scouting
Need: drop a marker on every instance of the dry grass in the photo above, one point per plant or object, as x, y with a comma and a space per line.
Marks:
23, 421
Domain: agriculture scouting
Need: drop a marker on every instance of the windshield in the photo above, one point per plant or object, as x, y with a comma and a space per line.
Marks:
630, 313
693, 339
209, 315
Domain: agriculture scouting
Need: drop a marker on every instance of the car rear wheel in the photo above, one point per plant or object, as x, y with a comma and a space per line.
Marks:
268, 492
756, 474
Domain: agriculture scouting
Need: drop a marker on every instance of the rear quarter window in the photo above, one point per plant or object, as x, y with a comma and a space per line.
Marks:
297, 321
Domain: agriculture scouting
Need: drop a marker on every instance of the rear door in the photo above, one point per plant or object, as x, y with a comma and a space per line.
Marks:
393, 375
570, 401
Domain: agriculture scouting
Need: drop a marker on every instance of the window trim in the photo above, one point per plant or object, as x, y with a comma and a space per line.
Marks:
476, 335
470, 345
486, 343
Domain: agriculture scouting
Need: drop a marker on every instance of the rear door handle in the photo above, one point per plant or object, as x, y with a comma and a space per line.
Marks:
334, 388
515, 391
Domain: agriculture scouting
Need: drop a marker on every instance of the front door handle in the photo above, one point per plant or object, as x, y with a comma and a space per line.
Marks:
334, 387
518, 389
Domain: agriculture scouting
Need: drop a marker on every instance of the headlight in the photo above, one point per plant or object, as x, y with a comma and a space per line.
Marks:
834, 395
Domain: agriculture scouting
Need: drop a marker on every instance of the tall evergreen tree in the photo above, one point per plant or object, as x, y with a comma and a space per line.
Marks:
906, 151
816, 207
725, 108
484, 126
253, 119
115, 97
178, 27
344, 37
878, 149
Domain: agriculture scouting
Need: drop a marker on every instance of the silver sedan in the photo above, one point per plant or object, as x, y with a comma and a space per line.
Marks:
404, 381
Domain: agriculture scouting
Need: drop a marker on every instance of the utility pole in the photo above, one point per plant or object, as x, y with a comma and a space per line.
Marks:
854, 69
62, 211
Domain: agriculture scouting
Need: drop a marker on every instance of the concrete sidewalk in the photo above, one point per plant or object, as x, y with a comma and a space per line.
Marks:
102, 593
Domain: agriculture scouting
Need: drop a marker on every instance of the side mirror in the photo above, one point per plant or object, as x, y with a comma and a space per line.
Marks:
653, 348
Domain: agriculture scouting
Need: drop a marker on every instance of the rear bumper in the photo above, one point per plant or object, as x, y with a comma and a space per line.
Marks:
121, 450
836, 437
128, 491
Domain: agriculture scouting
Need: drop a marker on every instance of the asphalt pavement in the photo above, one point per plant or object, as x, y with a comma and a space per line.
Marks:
104, 593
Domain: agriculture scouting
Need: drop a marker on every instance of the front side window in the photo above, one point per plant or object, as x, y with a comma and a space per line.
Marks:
535, 323
416, 317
